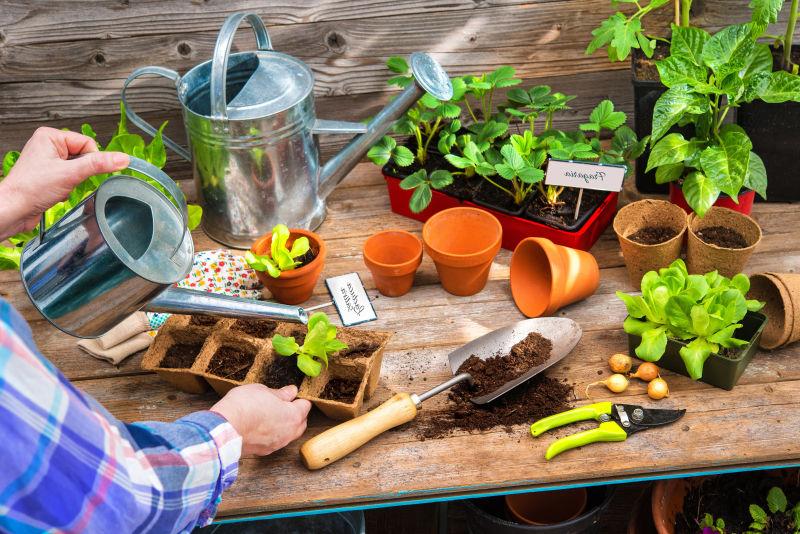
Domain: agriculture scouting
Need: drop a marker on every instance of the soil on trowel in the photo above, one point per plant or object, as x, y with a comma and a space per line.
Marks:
653, 235
538, 398
260, 328
341, 390
203, 320
282, 372
181, 355
231, 362
729, 497
722, 236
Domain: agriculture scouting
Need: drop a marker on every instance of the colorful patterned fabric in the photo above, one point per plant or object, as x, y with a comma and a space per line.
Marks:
68, 465
216, 271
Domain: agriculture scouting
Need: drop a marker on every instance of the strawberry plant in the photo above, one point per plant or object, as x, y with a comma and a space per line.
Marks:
320, 342
281, 257
528, 105
422, 185
521, 166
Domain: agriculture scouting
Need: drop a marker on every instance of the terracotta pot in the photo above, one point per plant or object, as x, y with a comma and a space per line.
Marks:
639, 257
393, 257
702, 257
546, 276
744, 203
462, 242
294, 286
667, 503
547, 507
781, 294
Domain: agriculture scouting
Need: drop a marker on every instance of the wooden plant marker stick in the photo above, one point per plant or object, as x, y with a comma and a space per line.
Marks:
578, 203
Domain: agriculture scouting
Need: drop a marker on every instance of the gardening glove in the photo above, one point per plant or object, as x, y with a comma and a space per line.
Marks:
128, 337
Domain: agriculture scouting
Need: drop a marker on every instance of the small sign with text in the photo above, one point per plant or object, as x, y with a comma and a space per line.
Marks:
585, 175
351, 299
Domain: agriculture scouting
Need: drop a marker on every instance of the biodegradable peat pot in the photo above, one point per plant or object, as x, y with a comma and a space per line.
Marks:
719, 371
462, 243
791, 281
545, 276
393, 257
294, 286
702, 257
639, 257
743, 204
781, 294
547, 507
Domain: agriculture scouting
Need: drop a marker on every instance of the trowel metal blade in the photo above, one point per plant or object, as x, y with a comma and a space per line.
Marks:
562, 332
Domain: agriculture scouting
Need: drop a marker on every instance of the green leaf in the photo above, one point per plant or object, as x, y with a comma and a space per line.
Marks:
765, 12
605, 116
634, 304
687, 43
727, 50
440, 179
653, 344
758, 514
672, 148
402, 156
195, 213
397, 64
669, 173
381, 152
756, 176
299, 247
285, 346
421, 198
9, 160
605, 33
676, 102
694, 356
676, 70
759, 61
414, 180
9, 257
726, 164
781, 86
776, 500
309, 365
647, 45
700, 192
625, 37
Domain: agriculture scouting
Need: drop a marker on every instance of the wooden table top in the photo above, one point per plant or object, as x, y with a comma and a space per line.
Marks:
755, 425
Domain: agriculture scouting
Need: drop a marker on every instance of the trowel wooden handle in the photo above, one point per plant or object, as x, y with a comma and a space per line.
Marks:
341, 440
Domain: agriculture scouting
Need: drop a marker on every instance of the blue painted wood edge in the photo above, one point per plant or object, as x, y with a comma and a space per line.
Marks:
498, 492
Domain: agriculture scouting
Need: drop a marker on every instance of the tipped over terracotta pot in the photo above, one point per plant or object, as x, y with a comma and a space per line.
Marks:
546, 276
294, 286
703, 257
462, 242
393, 257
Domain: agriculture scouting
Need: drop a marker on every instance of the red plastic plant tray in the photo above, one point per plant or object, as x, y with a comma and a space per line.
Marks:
515, 229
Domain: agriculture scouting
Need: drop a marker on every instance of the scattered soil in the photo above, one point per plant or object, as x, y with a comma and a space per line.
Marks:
653, 235
722, 236
231, 362
181, 355
497, 198
282, 372
341, 390
645, 67
203, 320
260, 328
730, 496
539, 397
562, 215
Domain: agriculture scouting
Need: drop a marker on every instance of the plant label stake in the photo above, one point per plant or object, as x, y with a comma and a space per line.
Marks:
351, 299
584, 175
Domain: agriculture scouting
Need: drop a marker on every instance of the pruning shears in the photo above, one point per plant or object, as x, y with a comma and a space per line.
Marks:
617, 422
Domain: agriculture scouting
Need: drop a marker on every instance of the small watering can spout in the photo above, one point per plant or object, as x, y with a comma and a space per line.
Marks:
429, 77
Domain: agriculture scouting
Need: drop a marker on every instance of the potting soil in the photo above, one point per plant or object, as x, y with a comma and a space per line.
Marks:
283, 371
203, 320
340, 389
260, 328
653, 235
181, 355
231, 362
722, 236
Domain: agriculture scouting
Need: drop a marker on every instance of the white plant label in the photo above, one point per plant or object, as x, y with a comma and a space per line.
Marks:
351, 299
585, 175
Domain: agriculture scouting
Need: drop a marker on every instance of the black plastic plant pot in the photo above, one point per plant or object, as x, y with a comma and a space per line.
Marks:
490, 516
719, 371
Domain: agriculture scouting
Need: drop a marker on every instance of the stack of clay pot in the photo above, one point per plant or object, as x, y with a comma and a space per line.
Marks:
781, 294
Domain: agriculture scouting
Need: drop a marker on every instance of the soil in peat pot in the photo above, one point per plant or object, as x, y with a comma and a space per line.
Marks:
539, 397
341, 390
181, 355
653, 235
260, 328
231, 362
722, 236
729, 497
563, 214
283, 371
203, 320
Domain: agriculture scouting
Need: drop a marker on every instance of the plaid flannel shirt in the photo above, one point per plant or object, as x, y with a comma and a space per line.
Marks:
67, 465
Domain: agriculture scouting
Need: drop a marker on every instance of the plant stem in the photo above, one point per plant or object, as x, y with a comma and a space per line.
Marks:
471, 113
498, 186
788, 37
488, 112
718, 125
686, 8
432, 133
420, 149
677, 13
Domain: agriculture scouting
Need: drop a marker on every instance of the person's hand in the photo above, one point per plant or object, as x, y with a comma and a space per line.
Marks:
44, 175
267, 419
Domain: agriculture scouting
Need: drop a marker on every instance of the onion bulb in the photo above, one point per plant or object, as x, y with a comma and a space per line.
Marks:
620, 363
657, 389
616, 383
647, 371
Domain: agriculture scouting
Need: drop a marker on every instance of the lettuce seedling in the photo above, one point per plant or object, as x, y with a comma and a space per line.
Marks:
281, 257
702, 310
320, 342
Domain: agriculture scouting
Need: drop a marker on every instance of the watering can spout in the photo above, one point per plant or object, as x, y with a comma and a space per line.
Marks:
429, 77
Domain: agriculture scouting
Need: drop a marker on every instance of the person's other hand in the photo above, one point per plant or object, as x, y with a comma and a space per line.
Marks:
44, 175
267, 419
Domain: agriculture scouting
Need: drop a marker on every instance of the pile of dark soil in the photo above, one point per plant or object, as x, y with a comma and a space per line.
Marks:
282, 372
340, 389
260, 328
722, 236
181, 355
653, 235
203, 320
729, 497
538, 398
231, 362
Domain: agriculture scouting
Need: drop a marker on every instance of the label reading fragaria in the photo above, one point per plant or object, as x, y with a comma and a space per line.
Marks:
585, 175
351, 299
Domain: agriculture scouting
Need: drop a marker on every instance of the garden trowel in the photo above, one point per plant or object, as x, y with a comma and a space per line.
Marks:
341, 440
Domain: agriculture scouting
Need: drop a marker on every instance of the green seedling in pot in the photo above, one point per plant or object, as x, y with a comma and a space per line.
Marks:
482, 89
281, 257
711, 526
521, 166
528, 105
702, 310
320, 342
423, 186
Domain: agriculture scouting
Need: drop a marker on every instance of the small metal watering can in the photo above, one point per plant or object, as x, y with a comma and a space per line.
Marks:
250, 123
119, 251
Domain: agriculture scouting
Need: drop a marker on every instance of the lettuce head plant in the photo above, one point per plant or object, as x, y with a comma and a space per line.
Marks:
281, 257
701, 310
320, 342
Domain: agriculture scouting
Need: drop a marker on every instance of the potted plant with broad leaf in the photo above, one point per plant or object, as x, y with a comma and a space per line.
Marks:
771, 119
701, 326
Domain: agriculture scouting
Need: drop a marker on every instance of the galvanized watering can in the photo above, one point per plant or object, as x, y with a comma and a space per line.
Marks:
119, 251
250, 123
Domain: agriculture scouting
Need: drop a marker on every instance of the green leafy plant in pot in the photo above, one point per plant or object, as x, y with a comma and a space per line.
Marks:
320, 342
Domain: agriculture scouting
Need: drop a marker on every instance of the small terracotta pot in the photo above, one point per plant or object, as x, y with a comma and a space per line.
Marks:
546, 276
547, 507
667, 502
639, 257
297, 285
462, 243
393, 257
702, 257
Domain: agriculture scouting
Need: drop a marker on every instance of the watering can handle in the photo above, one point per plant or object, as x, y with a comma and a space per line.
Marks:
222, 49
140, 122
